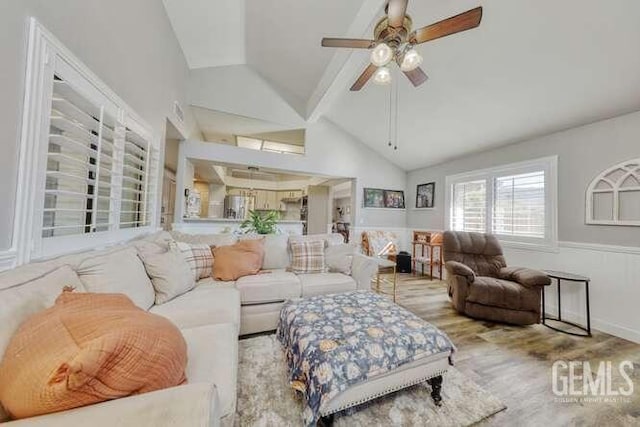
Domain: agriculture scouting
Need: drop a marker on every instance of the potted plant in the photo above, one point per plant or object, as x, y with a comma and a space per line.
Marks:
259, 223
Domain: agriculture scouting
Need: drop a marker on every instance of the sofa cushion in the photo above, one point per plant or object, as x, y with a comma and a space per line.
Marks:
326, 283
269, 286
170, 275
276, 253
25, 298
308, 257
213, 357
118, 272
88, 348
207, 239
503, 293
204, 305
330, 239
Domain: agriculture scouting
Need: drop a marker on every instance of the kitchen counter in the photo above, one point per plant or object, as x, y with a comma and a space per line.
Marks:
232, 220
229, 225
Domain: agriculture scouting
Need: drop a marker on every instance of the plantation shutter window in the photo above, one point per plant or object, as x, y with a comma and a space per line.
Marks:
89, 165
79, 159
469, 206
135, 180
515, 202
519, 205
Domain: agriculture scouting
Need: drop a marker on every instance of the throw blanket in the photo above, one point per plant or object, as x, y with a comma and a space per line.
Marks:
335, 341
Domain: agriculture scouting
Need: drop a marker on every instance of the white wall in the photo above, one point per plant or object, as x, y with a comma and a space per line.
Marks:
129, 44
582, 152
609, 255
238, 89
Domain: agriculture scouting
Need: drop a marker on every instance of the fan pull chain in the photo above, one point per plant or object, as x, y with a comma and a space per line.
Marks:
390, 113
397, 106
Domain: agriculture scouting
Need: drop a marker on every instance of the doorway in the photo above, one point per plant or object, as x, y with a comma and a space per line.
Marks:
172, 143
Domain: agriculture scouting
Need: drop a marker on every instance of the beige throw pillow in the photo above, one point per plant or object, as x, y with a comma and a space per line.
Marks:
308, 257
340, 257
119, 272
170, 275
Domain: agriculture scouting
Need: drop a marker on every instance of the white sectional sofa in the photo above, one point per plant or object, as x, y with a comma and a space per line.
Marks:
210, 316
262, 295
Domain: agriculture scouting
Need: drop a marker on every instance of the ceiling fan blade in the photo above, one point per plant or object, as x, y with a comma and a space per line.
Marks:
465, 21
364, 77
417, 76
396, 10
348, 43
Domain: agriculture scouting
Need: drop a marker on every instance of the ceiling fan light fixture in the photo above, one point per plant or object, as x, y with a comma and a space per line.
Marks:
382, 76
412, 60
381, 55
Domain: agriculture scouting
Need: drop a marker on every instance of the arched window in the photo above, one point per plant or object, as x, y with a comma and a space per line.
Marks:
613, 197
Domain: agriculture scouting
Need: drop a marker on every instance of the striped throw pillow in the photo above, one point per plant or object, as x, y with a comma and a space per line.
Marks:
198, 256
307, 257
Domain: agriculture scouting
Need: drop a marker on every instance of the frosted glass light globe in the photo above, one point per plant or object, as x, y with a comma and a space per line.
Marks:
382, 76
412, 60
381, 55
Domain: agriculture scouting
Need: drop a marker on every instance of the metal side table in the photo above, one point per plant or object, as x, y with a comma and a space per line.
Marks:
387, 267
569, 277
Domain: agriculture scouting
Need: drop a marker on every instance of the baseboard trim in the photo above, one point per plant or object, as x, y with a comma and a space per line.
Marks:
8, 259
596, 324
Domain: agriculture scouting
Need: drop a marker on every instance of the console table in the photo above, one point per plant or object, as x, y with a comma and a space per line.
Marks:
568, 277
432, 242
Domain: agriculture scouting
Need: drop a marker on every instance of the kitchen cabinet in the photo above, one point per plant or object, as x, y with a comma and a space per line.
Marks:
289, 195
267, 200
241, 192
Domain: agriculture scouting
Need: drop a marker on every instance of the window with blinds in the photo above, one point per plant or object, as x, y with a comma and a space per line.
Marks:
519, 205
468, 211
135, 180
516, 202
88, 163
79, 167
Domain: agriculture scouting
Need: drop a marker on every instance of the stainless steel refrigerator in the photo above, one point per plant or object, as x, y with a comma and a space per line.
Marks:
238, 207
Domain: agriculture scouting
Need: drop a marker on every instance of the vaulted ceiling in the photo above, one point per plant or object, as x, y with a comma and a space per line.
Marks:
532, 67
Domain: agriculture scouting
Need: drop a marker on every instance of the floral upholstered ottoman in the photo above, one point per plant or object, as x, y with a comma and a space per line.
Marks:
346, 349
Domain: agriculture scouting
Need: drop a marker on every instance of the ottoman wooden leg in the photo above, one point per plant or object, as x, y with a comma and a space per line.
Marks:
436, 388
326, 421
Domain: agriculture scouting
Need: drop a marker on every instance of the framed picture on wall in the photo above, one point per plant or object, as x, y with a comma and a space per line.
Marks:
425, 195
373, 198
394, 199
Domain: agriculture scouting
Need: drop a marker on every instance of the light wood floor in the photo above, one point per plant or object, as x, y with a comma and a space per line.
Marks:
514, 363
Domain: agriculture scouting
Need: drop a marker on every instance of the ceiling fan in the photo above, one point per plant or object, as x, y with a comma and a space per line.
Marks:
394, 40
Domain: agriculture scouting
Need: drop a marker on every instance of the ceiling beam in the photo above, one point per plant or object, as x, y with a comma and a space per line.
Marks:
346, 63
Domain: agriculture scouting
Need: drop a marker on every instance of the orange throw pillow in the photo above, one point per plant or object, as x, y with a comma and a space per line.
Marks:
242, 259
86, 349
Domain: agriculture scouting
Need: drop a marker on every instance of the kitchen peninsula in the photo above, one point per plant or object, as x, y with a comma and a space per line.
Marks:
230, 225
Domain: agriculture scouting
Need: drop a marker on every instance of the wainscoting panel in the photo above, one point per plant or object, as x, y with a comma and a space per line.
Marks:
614, 290
7, 259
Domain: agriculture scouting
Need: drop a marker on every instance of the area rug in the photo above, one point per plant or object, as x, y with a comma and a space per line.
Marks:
265, 398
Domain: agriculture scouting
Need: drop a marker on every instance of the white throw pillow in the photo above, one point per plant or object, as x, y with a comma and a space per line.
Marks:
170, 275
276, 251
118, 272
340, 257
